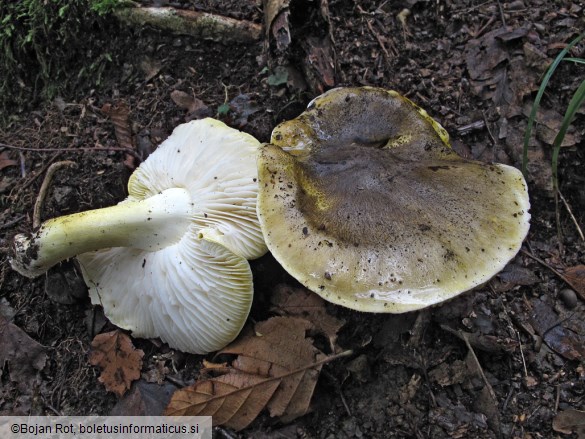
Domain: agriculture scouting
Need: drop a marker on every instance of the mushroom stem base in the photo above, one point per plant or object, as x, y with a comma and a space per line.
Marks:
149, 224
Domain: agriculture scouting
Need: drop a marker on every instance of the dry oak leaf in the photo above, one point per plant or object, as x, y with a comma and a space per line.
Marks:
300, 302
277, 368
119, 360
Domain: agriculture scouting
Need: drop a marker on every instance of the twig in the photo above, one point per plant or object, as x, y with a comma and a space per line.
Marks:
45, 187
508, 398
483, 28
12, 222
175, 381
348, 411
335, 381
380, 42
32, 179
423, 368
571, 215
465, 337
487, 125
478, 364
470, 127
53, 409
522, 354
502, 16
558, 219
22, 165
77, 149
540, 261
473, 8
375, 34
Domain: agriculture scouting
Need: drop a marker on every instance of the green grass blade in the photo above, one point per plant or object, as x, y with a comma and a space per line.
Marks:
539, 95
575, 60
576, 101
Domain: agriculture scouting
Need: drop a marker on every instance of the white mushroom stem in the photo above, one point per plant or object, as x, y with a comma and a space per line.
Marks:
149, 224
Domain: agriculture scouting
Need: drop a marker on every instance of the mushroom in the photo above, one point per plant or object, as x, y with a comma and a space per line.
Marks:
170, 261
364, 202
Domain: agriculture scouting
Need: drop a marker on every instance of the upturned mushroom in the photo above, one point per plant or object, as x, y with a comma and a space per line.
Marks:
364, 202
170, 261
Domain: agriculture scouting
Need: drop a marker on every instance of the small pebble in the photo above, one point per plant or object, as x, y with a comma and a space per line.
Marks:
568, 297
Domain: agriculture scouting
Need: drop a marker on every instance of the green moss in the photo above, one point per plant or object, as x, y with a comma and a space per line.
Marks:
49, 46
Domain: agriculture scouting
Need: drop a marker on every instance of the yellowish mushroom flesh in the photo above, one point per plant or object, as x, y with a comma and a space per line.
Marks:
363, 201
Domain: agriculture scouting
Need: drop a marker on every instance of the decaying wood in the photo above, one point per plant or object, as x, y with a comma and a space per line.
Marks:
285, 40
197, 24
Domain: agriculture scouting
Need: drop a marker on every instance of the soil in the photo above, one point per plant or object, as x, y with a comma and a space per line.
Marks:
501, 361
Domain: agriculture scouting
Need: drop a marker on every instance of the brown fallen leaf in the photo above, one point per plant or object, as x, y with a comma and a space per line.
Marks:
277, 368
456, 418
145, 399
119, 114
517, 275
570, 421
196, 108
449, 373
119, 360
242, 107
5, 161
565, 336
150, 67
24, 356
575, 276
549, 122
300, 302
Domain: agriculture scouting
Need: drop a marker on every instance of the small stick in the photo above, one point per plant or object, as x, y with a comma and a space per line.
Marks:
540, 261
22, 165
508, 398
12, 222
478, 364
494, 143
522, 354
387, 56
558, 220
76, 149
36, 175
571, 215
335, 381
502, 16
484, 27
463, 336
347, 410
44, 189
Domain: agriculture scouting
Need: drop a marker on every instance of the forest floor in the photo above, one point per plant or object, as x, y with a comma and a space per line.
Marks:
505, 360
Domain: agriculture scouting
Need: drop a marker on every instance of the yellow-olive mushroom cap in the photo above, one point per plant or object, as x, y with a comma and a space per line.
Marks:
363, 201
